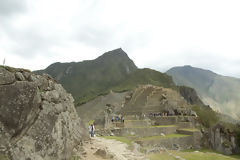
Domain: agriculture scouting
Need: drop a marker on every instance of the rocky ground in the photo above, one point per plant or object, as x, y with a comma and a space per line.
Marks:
100, 148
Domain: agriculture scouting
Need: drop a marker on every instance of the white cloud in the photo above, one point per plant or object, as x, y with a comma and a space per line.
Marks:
156, 34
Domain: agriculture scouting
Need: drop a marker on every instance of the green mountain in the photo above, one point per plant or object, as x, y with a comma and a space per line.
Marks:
87, 79
220, 92
114, 70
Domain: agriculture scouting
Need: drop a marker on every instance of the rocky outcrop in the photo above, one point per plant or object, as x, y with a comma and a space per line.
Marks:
223, 140
190, 95
38, 119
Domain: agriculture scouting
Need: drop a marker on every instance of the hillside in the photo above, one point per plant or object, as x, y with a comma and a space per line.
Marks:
220, 92
145, 76
98, 105
114, 70
88, 79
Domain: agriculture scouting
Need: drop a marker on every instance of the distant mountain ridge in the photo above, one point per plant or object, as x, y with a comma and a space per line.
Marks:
220, 92
113, 70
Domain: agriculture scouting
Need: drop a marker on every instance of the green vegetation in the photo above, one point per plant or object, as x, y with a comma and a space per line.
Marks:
89, 79
206, 115
207, 150
201, 155
145, 76
160, 126
11, 69
238, 136
162, 156
118, 138
190, 156
3, 157
75, 158
163, 137
190, 129
113, 70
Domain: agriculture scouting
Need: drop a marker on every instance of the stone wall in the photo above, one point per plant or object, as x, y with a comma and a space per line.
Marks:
147, 131
180, 143
38, 120
169, 120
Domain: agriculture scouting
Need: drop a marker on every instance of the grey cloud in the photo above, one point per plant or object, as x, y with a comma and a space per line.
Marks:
95, 36
9, 7
27, 42
30, 43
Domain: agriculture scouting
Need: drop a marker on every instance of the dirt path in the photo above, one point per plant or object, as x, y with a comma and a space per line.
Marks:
110, 149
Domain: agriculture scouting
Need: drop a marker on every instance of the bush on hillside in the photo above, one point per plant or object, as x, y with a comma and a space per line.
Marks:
207, 116
238, 136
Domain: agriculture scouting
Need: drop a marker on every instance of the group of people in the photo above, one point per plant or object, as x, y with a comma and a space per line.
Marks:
117, 119
91, 130
158, 114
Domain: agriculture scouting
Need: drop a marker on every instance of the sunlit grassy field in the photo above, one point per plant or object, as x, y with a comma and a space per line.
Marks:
190, 129
118, 138
191, 156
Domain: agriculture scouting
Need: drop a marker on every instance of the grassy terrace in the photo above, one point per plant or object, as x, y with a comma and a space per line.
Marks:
118, 138
191, 156
189, 129
3, 157
163, 137
207, 150
161, 126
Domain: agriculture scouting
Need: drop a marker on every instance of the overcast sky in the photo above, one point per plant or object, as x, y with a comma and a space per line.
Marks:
155, 34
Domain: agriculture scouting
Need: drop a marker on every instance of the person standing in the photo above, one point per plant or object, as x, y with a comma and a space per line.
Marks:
92, 130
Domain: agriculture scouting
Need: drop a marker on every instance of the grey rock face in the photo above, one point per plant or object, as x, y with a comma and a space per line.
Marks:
19, 103
222, 140
19, 76
38, 119
6, 77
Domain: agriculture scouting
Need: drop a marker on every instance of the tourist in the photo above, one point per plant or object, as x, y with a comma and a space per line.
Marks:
89, 130
92, 130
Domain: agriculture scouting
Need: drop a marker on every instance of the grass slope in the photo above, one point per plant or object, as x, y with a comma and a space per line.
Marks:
173, 155
118, 138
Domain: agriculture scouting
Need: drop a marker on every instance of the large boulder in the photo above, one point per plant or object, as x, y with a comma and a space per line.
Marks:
38, 120
6, 77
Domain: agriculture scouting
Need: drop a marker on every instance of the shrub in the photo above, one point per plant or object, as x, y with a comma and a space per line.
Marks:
206, 115
238, 136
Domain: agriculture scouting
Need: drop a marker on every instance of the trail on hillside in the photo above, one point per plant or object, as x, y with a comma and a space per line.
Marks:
110, 149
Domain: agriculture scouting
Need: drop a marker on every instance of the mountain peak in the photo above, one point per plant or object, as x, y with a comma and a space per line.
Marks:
114, 53
189, 69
